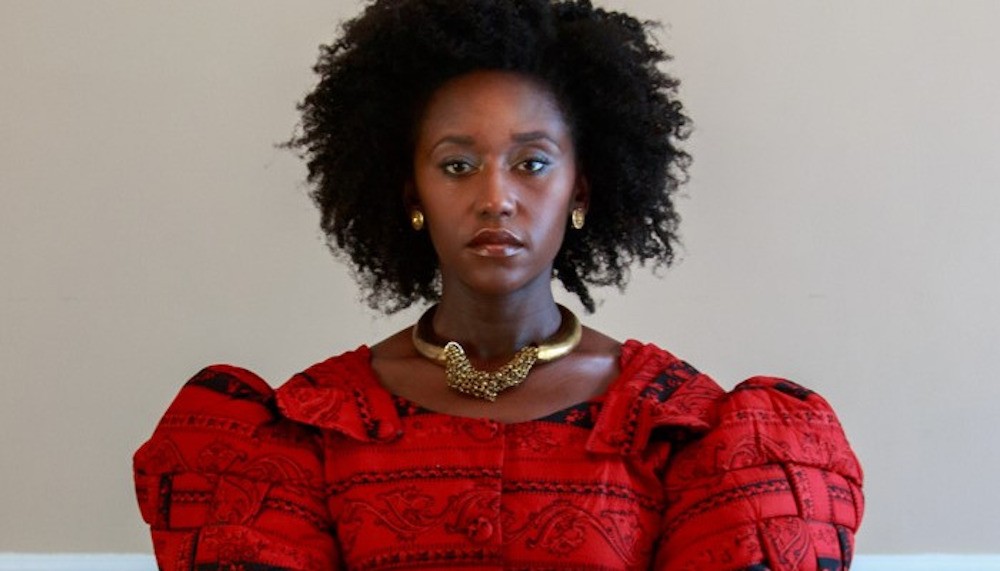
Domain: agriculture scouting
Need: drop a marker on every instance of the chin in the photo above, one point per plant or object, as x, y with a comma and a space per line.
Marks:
504, 282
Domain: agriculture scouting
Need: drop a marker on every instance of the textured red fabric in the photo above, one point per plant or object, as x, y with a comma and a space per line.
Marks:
665, 471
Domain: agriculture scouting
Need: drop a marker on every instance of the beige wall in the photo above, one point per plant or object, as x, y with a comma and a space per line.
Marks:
840, 230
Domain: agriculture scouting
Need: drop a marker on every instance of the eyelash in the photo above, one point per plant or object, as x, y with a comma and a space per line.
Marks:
460, 167
542, 162
451, 167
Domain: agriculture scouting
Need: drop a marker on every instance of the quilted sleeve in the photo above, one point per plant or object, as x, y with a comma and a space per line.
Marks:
225, 482
772, 486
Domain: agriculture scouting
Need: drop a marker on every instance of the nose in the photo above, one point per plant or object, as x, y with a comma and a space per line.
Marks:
497, 197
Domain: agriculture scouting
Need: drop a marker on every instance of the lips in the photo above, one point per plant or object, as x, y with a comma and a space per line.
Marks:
495, 242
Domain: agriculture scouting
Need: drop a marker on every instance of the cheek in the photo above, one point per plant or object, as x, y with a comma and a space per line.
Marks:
554, 222
432, 199
443, 231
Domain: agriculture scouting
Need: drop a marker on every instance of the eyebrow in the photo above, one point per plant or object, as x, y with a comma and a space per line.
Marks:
534, 136
455, 140
516, 137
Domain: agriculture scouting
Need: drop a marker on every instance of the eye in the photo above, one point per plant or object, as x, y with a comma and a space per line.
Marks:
457, 167
534, 165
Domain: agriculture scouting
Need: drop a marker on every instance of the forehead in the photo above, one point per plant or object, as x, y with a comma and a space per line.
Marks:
492, 101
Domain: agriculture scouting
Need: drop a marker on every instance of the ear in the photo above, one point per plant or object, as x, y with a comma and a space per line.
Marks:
581, 193
410, 198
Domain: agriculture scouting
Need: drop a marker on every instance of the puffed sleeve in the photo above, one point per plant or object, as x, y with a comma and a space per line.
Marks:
772, 486
225, 482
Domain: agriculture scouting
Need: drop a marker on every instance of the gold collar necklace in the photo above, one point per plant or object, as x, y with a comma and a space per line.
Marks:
466, 379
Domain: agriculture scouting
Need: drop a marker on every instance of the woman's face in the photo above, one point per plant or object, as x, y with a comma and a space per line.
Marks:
495, 175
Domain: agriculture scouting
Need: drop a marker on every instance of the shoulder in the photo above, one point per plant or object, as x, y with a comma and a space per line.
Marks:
220, 400
226, 478
772, 482
656, 396
224, 389
221, 416
342, 394
224, 411
766, 420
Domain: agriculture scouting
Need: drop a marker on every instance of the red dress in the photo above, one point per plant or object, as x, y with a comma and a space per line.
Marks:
665, 471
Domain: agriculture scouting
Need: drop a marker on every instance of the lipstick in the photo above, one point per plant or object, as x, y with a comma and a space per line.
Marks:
495, 243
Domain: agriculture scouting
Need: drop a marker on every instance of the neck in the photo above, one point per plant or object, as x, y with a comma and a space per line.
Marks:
493, 329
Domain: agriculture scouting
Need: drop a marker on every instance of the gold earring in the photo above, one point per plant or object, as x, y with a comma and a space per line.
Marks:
417, 220
577, 217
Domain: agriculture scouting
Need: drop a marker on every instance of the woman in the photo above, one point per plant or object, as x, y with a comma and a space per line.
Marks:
467, 153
